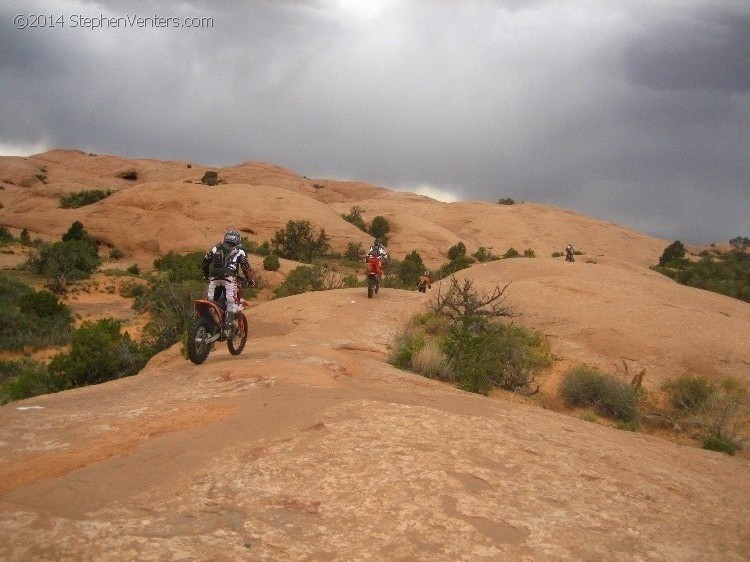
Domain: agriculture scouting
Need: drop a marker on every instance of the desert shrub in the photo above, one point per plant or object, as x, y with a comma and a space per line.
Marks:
5, 236
719, 444
406, 345
131, 289
410, 269
317, 277
355, 217
64, 261
296, 282
448, 269
506, 201
83, 198
171, 305
134, 269
379, 228
478, 352
262, 249
181, 267
354, 252
511, 253
116, 254
300, 242
99, 353
25, 237
26, 378
271, 262
717, 410
608, 396
432, 323
429, 361
673, 254
77, 232
483, 255
557, 254
464, 303
210, 178
689, 392
529, 253
499, 356
30, 318
456, 251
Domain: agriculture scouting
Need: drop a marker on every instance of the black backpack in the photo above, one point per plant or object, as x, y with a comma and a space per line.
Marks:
221, 261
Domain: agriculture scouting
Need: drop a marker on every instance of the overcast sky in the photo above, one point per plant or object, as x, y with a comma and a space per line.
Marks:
633, 111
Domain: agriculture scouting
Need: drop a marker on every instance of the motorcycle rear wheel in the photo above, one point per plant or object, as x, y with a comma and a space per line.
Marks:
198, 346
370, 287
239, 337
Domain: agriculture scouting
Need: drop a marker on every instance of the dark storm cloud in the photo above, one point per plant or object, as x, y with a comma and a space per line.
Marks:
710, 52
633, 111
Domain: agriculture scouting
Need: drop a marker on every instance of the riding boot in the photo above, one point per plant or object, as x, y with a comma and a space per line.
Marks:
228, 324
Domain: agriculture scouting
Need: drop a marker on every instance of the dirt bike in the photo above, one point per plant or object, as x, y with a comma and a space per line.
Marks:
373, 284
209, 324
569, 255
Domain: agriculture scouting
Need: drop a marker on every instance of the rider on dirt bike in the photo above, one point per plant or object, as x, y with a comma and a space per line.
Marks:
424, 282
220, 268
569, 253
378, 250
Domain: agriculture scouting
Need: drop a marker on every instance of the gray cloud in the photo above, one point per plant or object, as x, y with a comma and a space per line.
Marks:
632, 111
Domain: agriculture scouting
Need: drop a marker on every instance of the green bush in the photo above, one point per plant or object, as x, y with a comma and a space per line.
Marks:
27, 378
407, 344
379, 228
61, 262
511, 253
354, 252
300, 242
134, 269
410, 269
673, 254
719, 444
608, 396
30, 318
529, 253
483, 255
506, 201
171, 305
99, 353
689, 392
457, 251
355, 217
5, 236
131, 289
499, 356
83, 198
271, 262
181, 267
448, 269
210, 178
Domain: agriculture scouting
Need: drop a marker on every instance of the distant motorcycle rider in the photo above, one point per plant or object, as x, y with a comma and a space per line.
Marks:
424, 282
377, 250
220, 266
569, 253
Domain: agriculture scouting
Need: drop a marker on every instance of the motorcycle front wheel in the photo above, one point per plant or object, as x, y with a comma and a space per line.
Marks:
239, 336
198, 345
